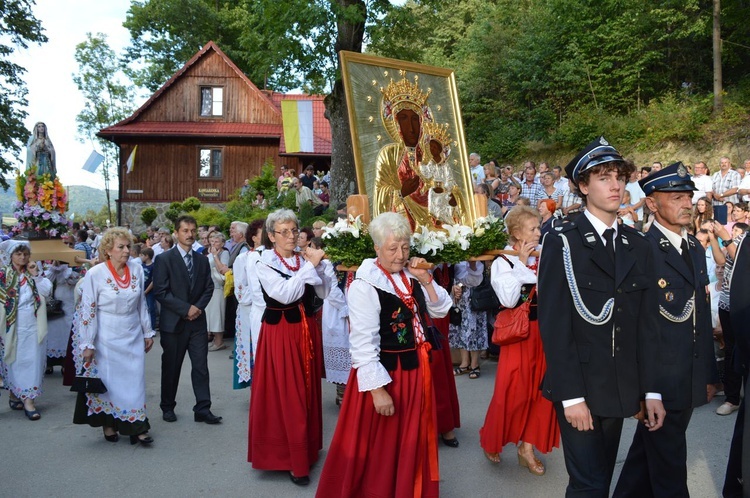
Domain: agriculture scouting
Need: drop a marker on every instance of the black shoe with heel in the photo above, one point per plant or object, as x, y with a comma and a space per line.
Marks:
112, 438
141, 438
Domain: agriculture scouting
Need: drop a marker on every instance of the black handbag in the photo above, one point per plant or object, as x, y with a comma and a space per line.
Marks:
54, 306
455, 316
92, 385
483, 297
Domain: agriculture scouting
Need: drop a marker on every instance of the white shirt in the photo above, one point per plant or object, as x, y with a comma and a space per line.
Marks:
745, 183
477, 174
636, 194
364, 320
704, 185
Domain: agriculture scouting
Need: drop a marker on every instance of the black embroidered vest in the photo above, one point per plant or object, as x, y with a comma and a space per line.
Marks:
397, 339
274, 309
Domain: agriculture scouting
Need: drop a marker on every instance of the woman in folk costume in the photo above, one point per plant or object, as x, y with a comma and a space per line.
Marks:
23, 345
64, 279
518, 413
248, 318
385, 444
285, 427
114, 334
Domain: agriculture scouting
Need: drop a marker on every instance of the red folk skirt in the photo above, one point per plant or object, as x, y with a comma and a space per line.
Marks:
444, 382
518, 412
384, 457
285, 430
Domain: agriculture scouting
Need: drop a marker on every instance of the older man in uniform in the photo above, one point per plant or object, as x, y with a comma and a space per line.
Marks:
599, 336
656, 465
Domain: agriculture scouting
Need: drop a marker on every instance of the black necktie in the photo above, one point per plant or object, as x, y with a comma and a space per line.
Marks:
189, 264
686, 255
609, 236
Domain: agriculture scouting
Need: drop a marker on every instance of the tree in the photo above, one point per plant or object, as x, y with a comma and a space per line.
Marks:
18, 28
108, 100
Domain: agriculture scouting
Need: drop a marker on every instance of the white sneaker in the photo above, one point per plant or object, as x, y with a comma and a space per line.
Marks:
727, 408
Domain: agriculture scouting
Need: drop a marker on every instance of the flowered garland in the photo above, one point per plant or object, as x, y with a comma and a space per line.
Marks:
42, 203
348, 242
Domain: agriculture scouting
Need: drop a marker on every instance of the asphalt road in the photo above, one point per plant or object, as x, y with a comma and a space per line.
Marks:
52, 457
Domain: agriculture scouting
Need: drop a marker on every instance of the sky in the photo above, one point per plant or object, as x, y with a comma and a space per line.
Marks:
53, 97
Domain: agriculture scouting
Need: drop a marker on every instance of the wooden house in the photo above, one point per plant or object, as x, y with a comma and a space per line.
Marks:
203, 133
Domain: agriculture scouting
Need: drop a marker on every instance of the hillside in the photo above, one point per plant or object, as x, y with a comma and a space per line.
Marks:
81, 199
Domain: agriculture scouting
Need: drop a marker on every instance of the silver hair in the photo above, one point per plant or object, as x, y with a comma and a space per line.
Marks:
389, 224
217, 235
240, 226
474, 154
280, 216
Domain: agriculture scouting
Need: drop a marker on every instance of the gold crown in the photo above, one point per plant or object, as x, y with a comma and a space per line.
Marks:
403, 92
438, 132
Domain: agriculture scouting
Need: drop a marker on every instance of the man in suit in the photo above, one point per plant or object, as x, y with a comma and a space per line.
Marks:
183, 287
598, 337
656, 465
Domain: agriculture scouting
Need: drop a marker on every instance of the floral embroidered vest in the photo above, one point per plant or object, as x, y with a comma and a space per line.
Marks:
397, 340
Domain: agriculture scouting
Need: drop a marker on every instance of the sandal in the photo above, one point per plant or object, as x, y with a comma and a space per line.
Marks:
461, 370
32, 414
474, 373
15, 404
492, 457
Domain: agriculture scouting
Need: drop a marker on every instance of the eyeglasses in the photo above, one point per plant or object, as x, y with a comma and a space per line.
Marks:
286, 233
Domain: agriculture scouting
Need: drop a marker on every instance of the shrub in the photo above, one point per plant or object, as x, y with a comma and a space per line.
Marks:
191, 204
148, 216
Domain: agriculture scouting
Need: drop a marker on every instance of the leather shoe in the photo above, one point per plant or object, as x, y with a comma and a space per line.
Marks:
208, 418
169, 416
299, 481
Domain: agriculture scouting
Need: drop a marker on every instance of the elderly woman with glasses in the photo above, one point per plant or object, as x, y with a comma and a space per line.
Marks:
285, 427
23, 346
385, 442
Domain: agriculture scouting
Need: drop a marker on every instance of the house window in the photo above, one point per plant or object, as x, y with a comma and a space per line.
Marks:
212, 101
210, 163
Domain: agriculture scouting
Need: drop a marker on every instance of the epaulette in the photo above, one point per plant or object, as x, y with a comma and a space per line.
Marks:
566, 226
632, 230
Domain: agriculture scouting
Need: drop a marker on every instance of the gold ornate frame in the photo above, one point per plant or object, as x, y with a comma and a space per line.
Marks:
365, 77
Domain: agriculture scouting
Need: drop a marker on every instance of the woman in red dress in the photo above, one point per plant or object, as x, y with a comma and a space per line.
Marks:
385, 444
518, 413
285, 430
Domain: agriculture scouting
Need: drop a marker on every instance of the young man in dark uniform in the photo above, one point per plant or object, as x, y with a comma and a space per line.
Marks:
597, 317
656, 465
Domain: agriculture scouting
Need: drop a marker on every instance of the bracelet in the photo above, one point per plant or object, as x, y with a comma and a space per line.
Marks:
428, 282
726, 243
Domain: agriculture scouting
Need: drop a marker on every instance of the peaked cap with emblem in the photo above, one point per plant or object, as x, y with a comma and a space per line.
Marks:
597, 152
673, 178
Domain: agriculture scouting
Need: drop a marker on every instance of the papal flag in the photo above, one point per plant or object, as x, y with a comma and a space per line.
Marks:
93, 162
297, 116
131, 160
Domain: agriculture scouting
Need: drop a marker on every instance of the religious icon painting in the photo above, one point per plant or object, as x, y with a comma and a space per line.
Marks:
409, 146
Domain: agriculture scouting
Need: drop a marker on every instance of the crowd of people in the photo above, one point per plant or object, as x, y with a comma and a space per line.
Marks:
627, 274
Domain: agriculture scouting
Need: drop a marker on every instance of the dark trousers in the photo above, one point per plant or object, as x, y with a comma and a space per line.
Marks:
230, 316
175, 345
590, 456
733, 478
656, 465
732, 378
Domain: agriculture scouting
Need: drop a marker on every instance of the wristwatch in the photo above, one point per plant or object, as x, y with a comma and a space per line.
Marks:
726, 243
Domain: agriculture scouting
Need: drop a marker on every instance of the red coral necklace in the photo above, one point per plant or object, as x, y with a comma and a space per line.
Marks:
287, 265
407, 298
122, 282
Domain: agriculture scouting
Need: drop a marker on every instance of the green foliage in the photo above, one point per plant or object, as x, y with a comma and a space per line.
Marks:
99, 218
348, 250
191, 204
206, 215
172, 214
266, 181
175, 205
18, 29
148, 216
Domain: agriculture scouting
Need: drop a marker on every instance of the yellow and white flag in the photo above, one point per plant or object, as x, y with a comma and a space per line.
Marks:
297, 116
131, 160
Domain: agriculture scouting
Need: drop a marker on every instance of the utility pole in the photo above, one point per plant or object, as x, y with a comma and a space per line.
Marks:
718, 87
